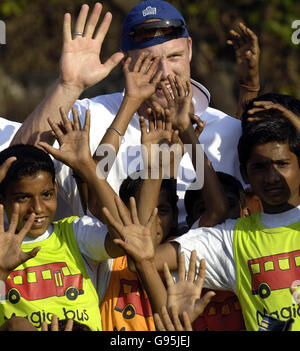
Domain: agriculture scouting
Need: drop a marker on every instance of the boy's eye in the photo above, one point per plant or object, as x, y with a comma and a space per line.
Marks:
22, 198
48, 194
162, 210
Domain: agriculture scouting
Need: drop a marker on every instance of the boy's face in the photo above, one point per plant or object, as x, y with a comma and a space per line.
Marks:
274, 174
33, 194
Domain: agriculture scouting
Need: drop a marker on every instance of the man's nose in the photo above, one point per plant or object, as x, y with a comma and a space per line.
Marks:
163, 67
273, 175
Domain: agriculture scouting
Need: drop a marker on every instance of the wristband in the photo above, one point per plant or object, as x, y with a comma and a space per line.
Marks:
117, 131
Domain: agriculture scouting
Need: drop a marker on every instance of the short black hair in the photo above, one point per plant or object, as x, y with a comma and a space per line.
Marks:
30, 160
266, 131
132, 184
229, 184
287, 101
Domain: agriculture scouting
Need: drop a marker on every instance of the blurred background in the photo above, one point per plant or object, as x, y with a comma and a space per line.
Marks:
29, 62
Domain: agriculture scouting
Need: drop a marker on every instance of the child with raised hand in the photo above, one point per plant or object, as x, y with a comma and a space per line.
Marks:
247, 52
131, 311
250, 256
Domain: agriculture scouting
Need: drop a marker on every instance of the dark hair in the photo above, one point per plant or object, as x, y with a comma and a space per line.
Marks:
230, 185
30, 160
132, 184
287, 101
266, 131
77, 326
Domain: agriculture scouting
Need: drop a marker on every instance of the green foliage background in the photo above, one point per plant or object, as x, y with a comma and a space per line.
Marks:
29, 62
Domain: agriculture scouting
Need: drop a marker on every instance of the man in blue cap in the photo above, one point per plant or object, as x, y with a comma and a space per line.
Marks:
152, 26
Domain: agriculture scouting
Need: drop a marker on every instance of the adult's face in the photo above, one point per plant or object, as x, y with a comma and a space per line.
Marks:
175, 57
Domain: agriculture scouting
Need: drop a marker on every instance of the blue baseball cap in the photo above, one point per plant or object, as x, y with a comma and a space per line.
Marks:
138, 35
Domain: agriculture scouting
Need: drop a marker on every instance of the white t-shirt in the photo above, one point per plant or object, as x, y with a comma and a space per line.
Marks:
215, 245
220, 138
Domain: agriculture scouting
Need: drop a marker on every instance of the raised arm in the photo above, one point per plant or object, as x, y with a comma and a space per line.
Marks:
80, 68
246, 48
74, 151
179, 105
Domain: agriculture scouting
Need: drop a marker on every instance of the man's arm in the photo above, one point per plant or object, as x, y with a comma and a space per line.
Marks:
80, 68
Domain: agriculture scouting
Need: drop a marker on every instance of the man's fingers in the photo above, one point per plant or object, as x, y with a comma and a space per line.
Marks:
81, 19
133, 211
103, 29
67, 35
112, 222
92, 21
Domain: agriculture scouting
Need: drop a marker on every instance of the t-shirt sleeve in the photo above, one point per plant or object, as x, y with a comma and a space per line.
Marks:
215, 245
90, 234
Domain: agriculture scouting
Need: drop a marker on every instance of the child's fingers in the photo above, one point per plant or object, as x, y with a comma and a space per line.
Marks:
49, 149
112, 222
186, 322
201, 274
151, 119
157, 77
180, 89
69, 325
171, 80
76, 121
152, 218
143, 126
65, 119
26, 228
181, 267
201, 304
133, 211
175, 317
87, 122
122, 211
44, 326
139, 61
14, 219
127, 64
168, 276
54, 323
5, 167
153, 67
168, 120
158, 322
145, 66
55, 129
166, 319
192, 267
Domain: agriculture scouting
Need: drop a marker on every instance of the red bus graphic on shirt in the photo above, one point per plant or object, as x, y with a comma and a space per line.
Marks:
132, 300
40, 282
274, 272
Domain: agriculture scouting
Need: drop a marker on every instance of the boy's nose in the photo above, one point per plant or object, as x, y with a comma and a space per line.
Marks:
36, 206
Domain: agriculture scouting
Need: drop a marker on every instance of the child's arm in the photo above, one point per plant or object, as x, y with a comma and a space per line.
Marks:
140, 83
246, 47
216, 205
278, 111
136, 239
74, 151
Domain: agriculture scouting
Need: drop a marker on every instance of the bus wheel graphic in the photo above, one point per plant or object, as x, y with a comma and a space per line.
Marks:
72, 293
129, 312
13, 296
264, 290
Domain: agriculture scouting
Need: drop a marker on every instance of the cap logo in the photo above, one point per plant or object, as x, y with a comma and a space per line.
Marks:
149, 11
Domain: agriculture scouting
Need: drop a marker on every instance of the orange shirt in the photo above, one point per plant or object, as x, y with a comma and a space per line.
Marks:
125, 306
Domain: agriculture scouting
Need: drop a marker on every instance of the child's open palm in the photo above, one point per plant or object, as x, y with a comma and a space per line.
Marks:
186, 293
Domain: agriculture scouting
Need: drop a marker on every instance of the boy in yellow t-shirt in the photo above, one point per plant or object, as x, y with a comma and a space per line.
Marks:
256, 257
